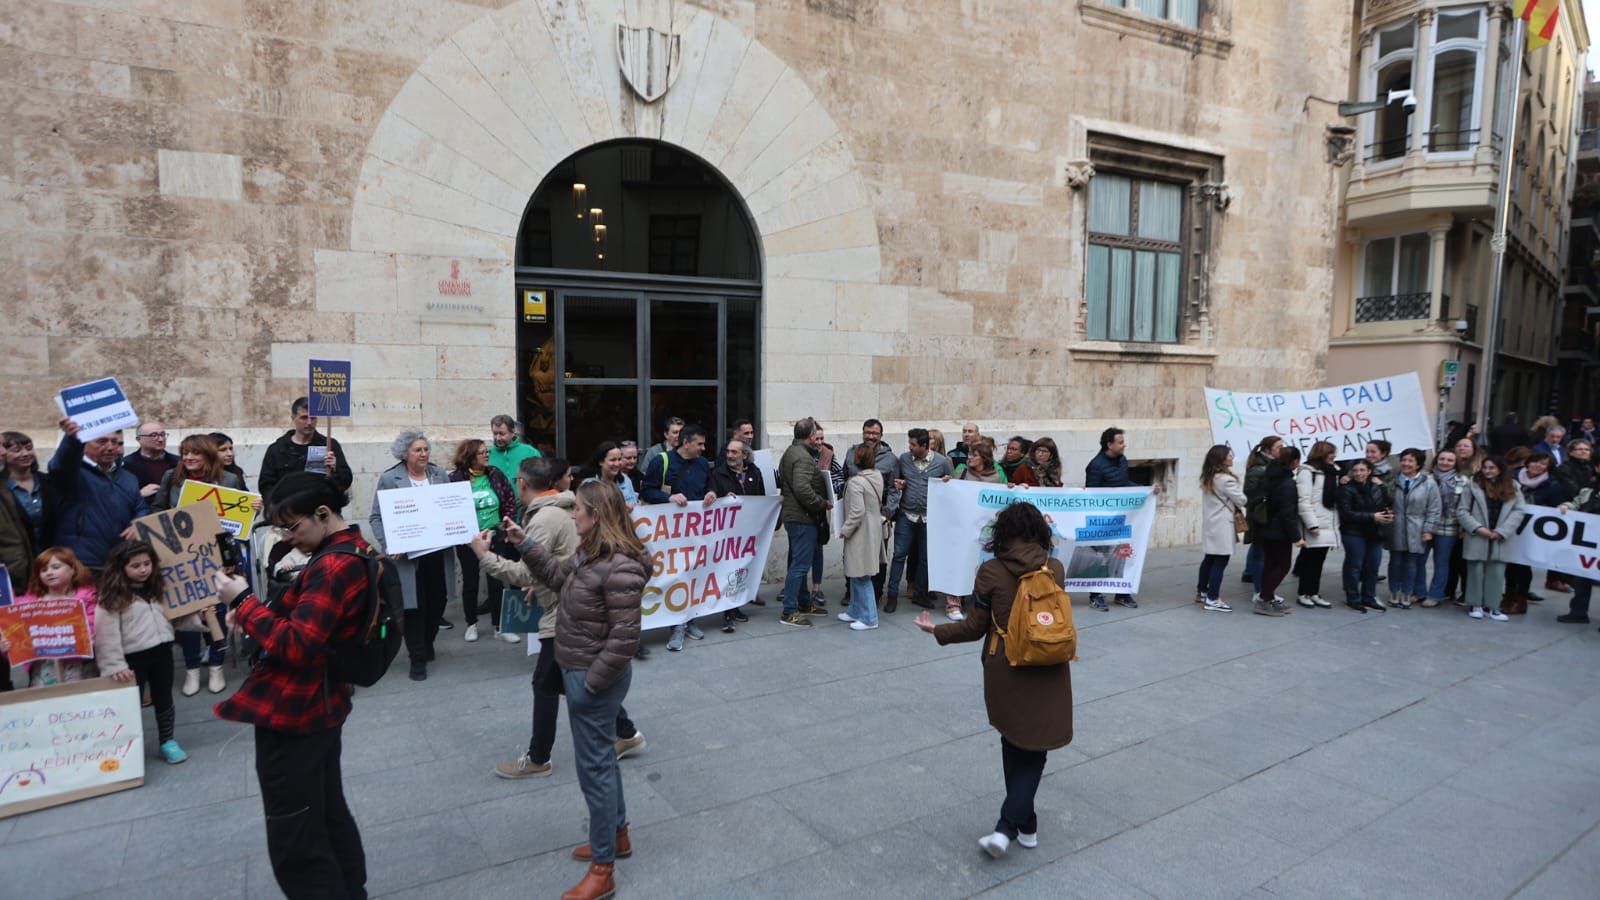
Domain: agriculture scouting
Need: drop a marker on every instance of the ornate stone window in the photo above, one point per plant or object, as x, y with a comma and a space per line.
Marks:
1150, 215
1183, 12
1198, 26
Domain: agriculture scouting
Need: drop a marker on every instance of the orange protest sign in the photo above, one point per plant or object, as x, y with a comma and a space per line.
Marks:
46, 630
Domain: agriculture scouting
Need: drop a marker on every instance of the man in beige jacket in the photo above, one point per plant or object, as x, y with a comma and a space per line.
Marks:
544, 490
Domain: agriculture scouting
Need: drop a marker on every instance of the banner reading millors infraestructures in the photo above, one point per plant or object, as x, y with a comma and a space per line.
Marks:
705, 559
1102, 534
1348, 415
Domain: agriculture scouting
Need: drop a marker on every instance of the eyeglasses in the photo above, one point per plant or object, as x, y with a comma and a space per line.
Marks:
289, 530
154, 434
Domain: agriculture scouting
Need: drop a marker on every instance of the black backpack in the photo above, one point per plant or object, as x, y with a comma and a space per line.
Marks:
363, 659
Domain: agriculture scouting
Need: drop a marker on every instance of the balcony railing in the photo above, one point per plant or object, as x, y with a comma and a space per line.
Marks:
1394, 307
1392, 148
1452, 141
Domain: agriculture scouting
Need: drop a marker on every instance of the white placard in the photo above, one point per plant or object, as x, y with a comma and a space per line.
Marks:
1348, 415
427, 518
766, 462
99, 407
67, 742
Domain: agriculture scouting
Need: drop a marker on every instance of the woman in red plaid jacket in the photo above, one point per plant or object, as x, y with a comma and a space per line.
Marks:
298, 712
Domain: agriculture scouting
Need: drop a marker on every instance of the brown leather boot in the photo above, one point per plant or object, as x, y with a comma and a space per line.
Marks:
584, 853
597, 884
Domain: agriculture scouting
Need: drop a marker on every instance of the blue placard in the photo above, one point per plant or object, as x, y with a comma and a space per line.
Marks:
99, 407
329, 390
6, 599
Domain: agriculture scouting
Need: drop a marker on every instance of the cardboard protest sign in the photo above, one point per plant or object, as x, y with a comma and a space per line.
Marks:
519, 612
705, 559
99, 407
68, 742
185, 540
46, 629
427, 518
1102, 535
1346, 415
328, 393
236, 509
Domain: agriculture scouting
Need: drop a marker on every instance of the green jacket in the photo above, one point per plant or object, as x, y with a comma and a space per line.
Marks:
804, 486
510, 459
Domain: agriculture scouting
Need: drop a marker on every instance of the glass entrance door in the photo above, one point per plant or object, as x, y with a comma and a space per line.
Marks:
612, 364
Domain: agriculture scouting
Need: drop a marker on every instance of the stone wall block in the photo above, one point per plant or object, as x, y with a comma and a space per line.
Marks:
478, 363
484, 43
758, 73
844, 264
873, 307
460, 79
386, 184
830, 161
724, 62
992, 190
981, 277
524, 31
857, 228
694, 42
422, 101
378, 228
781, 108
216, 176
468, 403
576, 53
798, 303
349, 281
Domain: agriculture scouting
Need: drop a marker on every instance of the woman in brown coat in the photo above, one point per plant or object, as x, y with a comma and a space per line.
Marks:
1031, 706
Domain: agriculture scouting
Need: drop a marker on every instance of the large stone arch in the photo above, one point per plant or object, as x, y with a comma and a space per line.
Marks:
485, 117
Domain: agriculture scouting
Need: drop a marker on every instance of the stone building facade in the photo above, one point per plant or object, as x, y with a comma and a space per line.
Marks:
1046, 218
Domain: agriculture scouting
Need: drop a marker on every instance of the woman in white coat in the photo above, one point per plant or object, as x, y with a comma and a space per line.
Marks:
1317, 486
1220, 498
862, 531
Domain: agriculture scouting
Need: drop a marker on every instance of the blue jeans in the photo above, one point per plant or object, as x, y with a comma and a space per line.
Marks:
1361, 559
192, 642
863, 603
1443, 546
802, 547
909, 538
1211, 569
1252, 565
593, 719
1408, 572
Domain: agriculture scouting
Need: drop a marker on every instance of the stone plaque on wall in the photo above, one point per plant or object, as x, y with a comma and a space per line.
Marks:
455, 290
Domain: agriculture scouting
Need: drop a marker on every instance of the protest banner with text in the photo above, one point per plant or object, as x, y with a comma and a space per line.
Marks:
185, 540
420, 520
235, 509
1347, 415
328, 387
99, 407
1102, 535
68, 742
1565, 542
54, 628
704, 559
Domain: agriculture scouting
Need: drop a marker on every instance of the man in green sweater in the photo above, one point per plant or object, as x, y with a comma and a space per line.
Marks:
508, 451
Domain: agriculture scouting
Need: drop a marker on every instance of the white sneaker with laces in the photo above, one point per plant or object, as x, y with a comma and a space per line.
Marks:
472, 633
508, 638
1305, 601
1496, 615
1476, 612
1027, 840
995, 844
1212, 606
846, 617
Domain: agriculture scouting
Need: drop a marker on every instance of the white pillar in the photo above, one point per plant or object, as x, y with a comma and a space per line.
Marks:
1421, 85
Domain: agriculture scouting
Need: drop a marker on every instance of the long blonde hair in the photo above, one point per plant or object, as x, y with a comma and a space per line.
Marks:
613, 531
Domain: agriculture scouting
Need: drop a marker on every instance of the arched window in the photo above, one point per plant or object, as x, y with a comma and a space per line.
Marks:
638, 282
1453, 102
1391, 126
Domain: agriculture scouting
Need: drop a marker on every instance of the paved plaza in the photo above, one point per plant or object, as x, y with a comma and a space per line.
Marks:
1327, 754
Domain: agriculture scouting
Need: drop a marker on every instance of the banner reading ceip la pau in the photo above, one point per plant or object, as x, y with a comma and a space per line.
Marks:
704, 559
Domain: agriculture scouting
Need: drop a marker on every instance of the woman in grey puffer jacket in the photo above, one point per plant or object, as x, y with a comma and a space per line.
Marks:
1416, 504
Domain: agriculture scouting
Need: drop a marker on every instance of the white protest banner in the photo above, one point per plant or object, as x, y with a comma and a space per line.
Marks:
1347, 415
1102, 534
236, 509
705, 559
1565, 542
67, 742
99, 407
427, 518
766, 462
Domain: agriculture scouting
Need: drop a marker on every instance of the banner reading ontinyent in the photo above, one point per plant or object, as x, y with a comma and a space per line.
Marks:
1348, 415
1102, 535
705, 559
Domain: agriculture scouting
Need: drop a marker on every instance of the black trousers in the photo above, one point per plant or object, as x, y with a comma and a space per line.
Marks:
312, 839
1456, 582
1519, 583
493, 590
547, 691
422, 624
153, 667
1024, 770
1308, 565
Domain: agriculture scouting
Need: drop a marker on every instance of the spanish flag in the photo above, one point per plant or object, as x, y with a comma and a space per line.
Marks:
1541, 17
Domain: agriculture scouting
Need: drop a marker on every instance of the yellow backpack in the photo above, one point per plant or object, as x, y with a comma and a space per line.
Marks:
1039, 631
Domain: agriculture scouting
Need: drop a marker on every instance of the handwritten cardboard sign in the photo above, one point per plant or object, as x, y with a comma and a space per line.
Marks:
68, 742
236, 509
46, 629
185, 540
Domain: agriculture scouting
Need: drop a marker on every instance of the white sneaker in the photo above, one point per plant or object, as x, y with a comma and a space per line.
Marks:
1476, 612
1496, 615
1317, 600
860, 626
995, 844
845, 617
508, 637
1305, 601
1210, 606
472, 633
191, 682
1027, 840
954, 615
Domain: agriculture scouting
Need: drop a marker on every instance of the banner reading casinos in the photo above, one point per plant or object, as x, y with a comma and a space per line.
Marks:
1102, 534
705, 559
1348, 415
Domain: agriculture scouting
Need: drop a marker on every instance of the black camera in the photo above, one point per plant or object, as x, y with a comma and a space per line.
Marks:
228, 552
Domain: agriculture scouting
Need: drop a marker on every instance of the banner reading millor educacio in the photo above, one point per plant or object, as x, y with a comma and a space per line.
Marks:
1347, 415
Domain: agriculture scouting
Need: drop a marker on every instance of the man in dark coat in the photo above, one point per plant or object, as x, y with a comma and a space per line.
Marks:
100, 498
1109, 468
152, 460
1508, 434
288, 453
